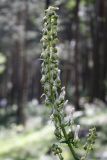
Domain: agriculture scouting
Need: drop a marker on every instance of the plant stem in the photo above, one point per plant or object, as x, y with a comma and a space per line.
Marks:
66, 138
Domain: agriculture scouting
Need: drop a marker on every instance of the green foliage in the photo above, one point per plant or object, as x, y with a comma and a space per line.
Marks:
27, 145
71, 4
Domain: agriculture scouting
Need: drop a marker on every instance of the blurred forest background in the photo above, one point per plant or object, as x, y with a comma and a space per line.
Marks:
82, 48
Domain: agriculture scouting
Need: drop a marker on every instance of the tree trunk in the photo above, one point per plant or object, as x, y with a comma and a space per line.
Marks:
99, 53
76, 56
20, 73
94, 92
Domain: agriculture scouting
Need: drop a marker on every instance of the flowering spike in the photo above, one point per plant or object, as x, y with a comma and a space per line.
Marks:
53, 93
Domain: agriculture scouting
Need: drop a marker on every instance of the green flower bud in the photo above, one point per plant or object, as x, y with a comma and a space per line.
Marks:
46, 87
71, 135
55, 17
55, 51
44, 46
50, 14
43, 79
45, 33
85, 146
48, 27
54, 89
54, 23
57, 133
47, 102
58, 82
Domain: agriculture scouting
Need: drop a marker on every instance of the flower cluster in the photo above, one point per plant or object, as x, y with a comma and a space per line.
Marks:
54, 95
50, 73
53, 92
57, 151
91, 137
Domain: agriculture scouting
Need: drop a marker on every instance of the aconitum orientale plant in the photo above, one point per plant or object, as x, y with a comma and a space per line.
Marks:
65, 131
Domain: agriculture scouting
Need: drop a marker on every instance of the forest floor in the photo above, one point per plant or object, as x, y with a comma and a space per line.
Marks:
33, 142
25, 146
